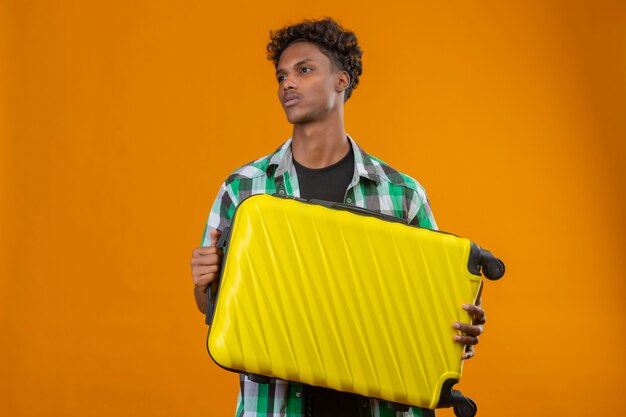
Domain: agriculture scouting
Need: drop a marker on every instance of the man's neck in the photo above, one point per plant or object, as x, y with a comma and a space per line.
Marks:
318, 145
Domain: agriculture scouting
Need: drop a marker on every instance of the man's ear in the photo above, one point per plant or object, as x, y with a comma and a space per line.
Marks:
342, 81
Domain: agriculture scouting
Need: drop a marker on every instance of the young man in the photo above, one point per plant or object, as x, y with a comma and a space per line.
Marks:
318, 65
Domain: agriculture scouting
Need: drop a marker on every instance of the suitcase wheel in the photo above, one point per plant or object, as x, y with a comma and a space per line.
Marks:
466, 409
494, 269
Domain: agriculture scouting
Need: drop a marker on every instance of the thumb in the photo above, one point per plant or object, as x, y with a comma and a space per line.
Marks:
215, 236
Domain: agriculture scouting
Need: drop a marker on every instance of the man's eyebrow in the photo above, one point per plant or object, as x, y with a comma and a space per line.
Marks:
304, 61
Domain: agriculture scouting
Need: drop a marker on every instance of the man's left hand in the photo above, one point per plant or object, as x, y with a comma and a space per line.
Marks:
470, 332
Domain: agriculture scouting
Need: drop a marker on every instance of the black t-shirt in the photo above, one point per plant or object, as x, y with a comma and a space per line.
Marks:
329, 183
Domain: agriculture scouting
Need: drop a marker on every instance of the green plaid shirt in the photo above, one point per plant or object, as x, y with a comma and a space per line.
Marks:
375, 186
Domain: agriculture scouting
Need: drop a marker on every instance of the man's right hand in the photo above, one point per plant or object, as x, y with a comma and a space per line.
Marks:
205, 269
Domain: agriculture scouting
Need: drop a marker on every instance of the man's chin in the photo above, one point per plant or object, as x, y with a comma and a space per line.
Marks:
297, 119
300, 118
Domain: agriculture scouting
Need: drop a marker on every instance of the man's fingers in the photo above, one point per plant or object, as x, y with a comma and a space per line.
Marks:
470, 333
477, 313
205, 269
468, 329
215, 236
211, 259
205, 280
469, 352
204, 250
205, 264
207, 257
466, 340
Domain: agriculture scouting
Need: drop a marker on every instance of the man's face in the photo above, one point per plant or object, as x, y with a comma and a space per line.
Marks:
307, 83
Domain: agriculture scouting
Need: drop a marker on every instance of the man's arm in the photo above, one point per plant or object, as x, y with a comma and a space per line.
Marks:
205, 270
206, 260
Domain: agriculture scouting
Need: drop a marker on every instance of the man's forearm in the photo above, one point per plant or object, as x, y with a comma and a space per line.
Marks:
200, 299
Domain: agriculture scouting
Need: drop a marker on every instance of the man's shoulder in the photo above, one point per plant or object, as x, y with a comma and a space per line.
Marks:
256, 168
250, 170
396, 178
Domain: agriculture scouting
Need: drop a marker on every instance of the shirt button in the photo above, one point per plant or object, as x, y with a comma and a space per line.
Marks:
364, 404
281, 192
298, 394
348, 200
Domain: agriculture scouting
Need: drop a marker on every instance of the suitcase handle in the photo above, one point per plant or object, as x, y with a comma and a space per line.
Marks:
211, 300
210, 306
357, 210
346, 207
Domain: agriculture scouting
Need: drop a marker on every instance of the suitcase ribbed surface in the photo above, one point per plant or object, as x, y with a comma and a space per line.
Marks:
336, 299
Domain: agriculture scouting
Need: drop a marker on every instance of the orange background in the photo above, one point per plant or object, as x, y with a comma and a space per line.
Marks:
119, 120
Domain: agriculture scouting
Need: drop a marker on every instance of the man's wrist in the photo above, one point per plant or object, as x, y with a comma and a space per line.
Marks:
201, 288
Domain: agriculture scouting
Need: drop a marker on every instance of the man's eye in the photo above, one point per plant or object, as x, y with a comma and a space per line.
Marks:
305, 69
281, 78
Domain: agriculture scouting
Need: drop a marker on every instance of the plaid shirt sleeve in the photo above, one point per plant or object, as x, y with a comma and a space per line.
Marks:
221, 212
420, 213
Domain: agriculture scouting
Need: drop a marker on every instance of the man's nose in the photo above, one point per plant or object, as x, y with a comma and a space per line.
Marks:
288, 83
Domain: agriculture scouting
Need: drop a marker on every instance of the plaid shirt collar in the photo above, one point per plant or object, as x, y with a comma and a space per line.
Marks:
282, 160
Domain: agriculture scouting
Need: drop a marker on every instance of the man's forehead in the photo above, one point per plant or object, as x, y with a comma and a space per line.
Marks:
300, 52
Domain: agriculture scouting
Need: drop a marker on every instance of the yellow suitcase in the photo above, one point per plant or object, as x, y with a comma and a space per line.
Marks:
347, 299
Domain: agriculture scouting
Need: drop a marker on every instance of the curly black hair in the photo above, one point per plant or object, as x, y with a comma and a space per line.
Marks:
339, 45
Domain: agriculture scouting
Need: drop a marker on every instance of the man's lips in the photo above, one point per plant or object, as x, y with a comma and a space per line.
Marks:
290, 99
